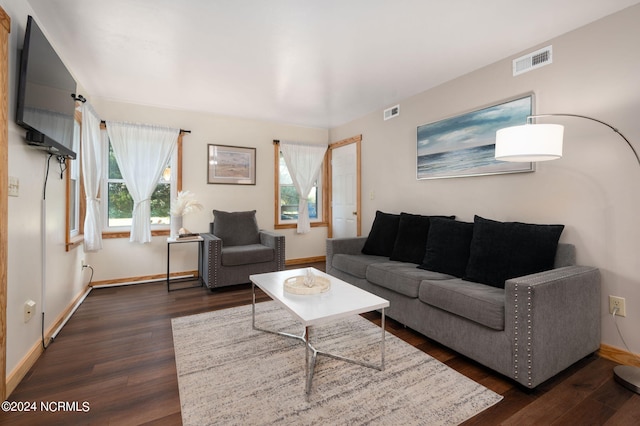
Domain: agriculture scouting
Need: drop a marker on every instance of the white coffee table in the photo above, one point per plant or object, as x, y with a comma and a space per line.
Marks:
342, 300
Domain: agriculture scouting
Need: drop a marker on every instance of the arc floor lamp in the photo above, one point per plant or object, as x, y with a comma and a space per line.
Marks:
541, 142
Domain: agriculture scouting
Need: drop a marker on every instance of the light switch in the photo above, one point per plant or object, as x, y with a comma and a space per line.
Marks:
14, 186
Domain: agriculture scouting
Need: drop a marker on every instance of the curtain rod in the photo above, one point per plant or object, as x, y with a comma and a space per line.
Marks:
80, 98
181, 130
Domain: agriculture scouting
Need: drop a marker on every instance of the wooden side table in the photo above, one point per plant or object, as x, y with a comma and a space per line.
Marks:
170, 242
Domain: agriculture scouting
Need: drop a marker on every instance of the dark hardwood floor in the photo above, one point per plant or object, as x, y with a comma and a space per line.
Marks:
115, 360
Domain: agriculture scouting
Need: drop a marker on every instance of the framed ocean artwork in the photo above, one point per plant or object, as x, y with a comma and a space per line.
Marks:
464, 145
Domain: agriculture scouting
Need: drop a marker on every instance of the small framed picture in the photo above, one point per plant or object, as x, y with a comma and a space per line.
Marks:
231, 165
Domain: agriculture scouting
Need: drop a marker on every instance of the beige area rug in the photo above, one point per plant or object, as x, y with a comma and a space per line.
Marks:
230, 374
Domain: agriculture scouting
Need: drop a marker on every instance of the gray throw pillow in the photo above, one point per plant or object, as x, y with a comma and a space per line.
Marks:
236, 228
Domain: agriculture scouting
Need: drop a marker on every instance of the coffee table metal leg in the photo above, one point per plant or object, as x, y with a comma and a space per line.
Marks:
310, 361
311, 353
382, 343
253, 305
253, 320
307, 352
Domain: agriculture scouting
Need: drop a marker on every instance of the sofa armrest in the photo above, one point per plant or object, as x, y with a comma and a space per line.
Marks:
335, 246
212, 246
211, 259
276, 242
553, 320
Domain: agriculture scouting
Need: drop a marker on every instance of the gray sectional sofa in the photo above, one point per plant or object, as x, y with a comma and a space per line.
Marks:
527, 327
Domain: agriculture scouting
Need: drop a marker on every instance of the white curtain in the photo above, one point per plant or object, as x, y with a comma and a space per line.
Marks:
142, 153
91, 155
304, 162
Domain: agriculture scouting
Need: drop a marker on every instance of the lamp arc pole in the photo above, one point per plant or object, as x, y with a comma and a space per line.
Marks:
635, 153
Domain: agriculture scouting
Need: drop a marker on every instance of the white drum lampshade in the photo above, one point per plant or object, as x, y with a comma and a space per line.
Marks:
529, 142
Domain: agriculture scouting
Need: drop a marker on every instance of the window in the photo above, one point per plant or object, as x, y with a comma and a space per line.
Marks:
118, 207
286, 213
288, 197
74, 185
75, 200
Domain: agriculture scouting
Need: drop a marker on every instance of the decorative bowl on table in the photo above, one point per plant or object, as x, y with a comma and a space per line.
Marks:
307, 284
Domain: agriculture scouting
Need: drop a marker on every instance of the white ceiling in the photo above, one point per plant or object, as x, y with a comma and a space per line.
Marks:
318, 63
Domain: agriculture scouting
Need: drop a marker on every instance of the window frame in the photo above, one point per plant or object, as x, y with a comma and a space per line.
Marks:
323, 211
74, 236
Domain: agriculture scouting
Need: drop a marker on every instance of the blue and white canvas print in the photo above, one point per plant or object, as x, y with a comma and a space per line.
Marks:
465, 145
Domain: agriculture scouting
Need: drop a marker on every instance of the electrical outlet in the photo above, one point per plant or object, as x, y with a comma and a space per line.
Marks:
617, 302
29, 309
82, 264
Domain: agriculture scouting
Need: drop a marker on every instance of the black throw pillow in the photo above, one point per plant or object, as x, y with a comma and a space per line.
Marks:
448, 247
383, 234
411, 241
503, 250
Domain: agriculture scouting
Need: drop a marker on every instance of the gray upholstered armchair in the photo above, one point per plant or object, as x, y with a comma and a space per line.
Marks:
235, 248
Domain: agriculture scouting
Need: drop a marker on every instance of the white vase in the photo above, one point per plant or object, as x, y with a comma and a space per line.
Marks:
176, 224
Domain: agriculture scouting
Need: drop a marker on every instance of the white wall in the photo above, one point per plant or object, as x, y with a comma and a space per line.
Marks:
121, 259
64, 280
593, 190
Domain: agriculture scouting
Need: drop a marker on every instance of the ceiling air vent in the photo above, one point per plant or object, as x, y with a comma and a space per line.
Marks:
394, 111
533, 60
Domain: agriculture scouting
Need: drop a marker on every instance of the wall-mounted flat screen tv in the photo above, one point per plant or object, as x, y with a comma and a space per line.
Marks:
46, 95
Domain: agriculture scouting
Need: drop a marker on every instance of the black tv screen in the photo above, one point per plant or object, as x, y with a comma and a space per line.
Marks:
46, 100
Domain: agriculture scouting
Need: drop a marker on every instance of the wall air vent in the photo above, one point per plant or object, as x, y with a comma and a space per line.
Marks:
533, 60
394, 111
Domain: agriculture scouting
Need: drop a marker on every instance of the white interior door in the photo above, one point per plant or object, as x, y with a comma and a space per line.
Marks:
344, 194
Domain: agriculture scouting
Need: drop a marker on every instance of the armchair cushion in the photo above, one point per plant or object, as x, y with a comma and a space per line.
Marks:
244, 255
236, 228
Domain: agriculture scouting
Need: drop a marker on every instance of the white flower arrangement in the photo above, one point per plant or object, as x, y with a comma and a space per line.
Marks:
185, 203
